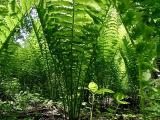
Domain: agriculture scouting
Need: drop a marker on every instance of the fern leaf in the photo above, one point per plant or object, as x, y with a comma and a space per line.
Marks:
108, 40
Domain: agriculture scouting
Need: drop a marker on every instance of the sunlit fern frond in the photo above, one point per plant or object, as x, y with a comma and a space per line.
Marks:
11, 17
108, 43
64, 25
108, 40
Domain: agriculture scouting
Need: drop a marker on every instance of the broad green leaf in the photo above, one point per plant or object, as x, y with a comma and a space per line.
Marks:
122, 102
103, 91
119, 97
93, 87
155, 89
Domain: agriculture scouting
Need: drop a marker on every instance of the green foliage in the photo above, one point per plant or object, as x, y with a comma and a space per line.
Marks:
108, 44
16, 100
152, 93
93, 88
130, 60
103, 91
6, 106
119, 97
10, 87
79, 41
25, 100
12, 19
64, 25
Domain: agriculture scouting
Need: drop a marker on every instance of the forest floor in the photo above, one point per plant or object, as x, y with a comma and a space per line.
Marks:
35, 113
41, 112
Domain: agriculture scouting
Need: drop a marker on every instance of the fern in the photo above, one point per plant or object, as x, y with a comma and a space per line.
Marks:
108, 46
80, 39
62, 24
12, 20
129, 55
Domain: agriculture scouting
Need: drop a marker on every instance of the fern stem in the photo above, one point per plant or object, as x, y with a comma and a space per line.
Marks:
91, 112
141, 92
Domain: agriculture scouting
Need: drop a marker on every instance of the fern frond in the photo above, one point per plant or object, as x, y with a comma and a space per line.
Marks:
129, 55
63, 24
108, 40
108, 43
13, 18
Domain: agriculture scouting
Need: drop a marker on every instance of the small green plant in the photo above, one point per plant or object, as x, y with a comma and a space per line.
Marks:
93, 88
152, 99
10, 87
24, 100
120, 99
